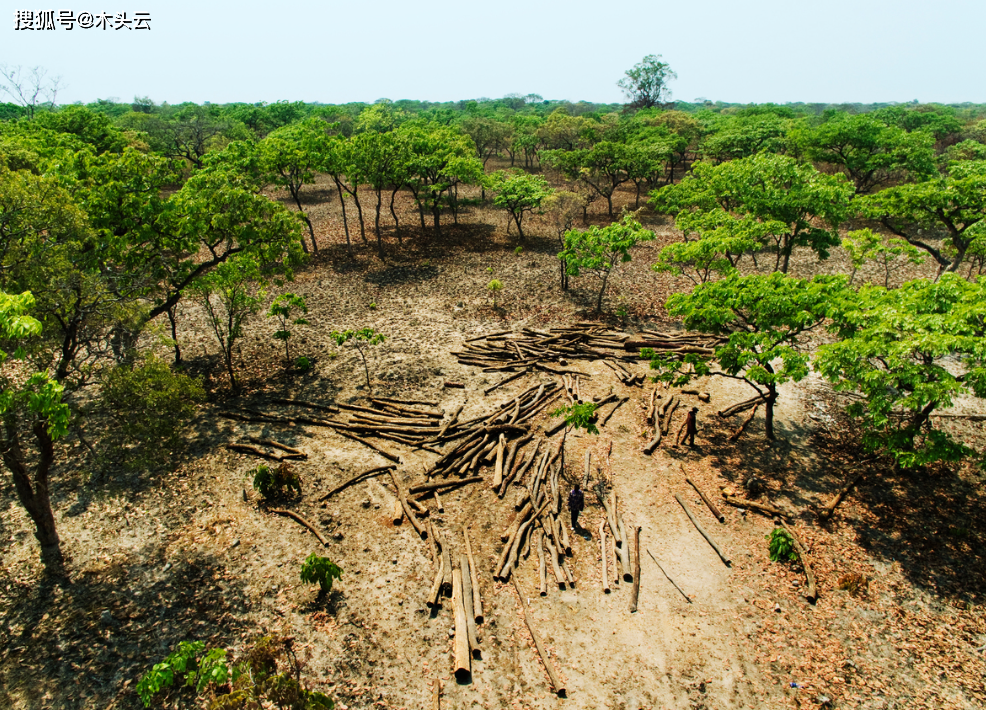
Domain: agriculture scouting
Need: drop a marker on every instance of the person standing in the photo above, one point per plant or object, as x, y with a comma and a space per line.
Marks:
689, 428
576, 503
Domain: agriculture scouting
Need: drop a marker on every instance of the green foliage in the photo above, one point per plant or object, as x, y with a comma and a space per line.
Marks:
320, 570
149, 405
359, 338
946, 207
908, 352
762, 203
199, 667
870, 152
600, 250
494, 286
781, 546
270, 482
646, 84
303, 363
863, 245
580, 416
763, 319
603, 167
743, 136
518, 250
281, 309
518, 193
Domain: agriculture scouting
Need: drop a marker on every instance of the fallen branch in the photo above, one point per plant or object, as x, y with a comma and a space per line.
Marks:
555, 683
427, 487
636, 569
668, 576
698, 527
829, 509
277, 445
762, 508
739, 432
715, 511
741, 406
355, 479
294, 516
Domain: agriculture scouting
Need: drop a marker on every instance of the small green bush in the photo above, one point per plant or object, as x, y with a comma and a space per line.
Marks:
581, 416
271, 482
303, 363
781, 546
321, 570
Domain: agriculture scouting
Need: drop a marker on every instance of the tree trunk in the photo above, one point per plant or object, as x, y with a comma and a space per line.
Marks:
345, 222
173, 319
769, 412
377, 226
295, 193
599, 300
393, 213
609, 203
35, 495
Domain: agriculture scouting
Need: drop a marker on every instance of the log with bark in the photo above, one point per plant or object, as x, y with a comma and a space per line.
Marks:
741, 406
357, 478
412, 518
254, 451
477, 599
746, 422
542, 564
701, 530
278, 445
467, 603
715, 511
636, 569
666, 422
299, 519
463, 658
383, 452
434, 596
762, 508
830, 507
455, 385
620, 402
552, 675
436, 485
603, 551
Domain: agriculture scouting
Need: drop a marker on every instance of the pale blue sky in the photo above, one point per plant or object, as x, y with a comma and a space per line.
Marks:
336, 52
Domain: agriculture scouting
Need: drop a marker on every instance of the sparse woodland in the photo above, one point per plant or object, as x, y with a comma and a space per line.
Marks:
294, 395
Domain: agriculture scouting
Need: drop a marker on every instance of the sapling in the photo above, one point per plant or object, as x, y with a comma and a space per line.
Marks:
580, 416
281, 309
321, 570
494, 286
366, 336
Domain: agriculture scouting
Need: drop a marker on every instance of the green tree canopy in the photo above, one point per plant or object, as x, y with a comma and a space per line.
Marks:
646, 83
518, 193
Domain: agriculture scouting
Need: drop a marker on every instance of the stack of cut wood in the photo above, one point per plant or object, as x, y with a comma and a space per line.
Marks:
538, 524
621, 543
674, 343
527, 349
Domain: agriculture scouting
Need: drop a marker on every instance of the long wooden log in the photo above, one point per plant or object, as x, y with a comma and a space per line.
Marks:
603, 554
422, 402
477, 598
651, 407
383, 452
560, 578
436, 698
740, 406
294, 516
412, 518
619, 403
746, 422
715, 511
552, 675
436, 485
452, 420
254, 451
655, 440
762, 508
505, 381
277, 445
829, 508
432, 547
701, 530
467, 603
568, 573
355, 479
636, 569
668, 576
542, 564
666, 422
498, 466
811, 591
434, 596
303, 403
463, 658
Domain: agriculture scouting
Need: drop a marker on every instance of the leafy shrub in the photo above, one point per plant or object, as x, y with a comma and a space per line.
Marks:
781, 546
494, 286
149, 404
321, 570
303, 363
581, 416
271, 482
855, 583
190, 660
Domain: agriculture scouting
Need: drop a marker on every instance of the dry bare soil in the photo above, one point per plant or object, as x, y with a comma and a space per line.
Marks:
158, 559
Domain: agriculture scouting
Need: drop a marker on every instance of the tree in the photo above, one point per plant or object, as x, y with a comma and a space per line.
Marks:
31, 408
742, 136
869, 152
763, 319
563, 209
229, 294
518, 193
31, 89
290, 157
773, 199
646, 84
281, 309
600, 250
494, 286
909, 352
863, 245
947, 207
382, 160
488, 134
359, 338
604, 167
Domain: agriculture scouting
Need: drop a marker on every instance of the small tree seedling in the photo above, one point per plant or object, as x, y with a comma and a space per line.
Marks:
359, 338
271, 482
320, 570
494, 286
580, 416
281, 309
781, 546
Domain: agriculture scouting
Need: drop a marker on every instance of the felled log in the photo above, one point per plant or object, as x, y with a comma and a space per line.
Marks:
568, 573
432, 547
603, 553
560, 578
447, 557
498, 467
504, 381
746, 422
407, 508
455, 385
467, 603
566, 547
668, 576
452, 420
585, 475
434, 596
651, 407
715, 511
740, 406
555, 683
636, 569
355, 479
277, 445
436, 697
254, 451
666, 422
811, 592
829, 508
397, 516
422, 402
655, 441
303, 403
477, 599
701, 530
297, 518
383, 452
439, 503
436, 485
463, 658
619, 403
762, 508
542, 564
